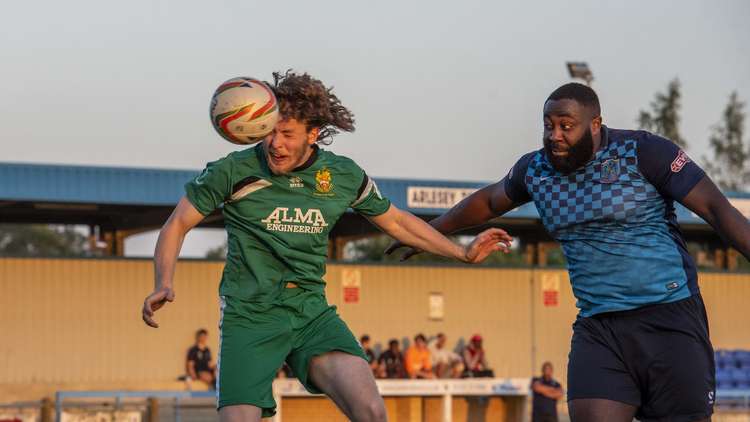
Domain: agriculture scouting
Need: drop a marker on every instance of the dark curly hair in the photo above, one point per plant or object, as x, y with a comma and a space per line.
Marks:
307, 100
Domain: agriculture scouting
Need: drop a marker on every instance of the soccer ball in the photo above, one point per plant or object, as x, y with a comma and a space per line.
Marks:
244, 110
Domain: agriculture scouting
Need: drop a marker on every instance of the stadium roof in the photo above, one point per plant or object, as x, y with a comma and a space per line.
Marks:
130, 198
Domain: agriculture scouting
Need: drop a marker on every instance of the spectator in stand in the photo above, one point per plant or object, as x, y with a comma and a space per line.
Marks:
199, 365
445, 362
475, 360
364, 341
418, 362
391, 362
547, 392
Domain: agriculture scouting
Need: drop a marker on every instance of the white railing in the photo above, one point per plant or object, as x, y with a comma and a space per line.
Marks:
445, 388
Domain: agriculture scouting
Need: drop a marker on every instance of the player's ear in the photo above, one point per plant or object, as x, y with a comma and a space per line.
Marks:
312, 135
596, 125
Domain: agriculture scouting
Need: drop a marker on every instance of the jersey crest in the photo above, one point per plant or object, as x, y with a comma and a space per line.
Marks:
610, 171
323, 181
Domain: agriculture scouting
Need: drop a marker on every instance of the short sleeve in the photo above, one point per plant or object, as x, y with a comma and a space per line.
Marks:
369, 201
667, 167
212, 187
191, 354
515, 185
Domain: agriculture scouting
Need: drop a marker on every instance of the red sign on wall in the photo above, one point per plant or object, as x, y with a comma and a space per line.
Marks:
351, 284
550, 290
351, 294
550, 297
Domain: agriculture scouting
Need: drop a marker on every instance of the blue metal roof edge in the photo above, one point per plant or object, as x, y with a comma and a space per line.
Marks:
164, 187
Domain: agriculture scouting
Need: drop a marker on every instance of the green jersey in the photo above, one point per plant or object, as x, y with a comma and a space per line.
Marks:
278, 225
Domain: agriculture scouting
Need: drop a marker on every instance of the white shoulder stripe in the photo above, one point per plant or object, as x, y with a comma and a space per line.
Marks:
248, 189
366, 191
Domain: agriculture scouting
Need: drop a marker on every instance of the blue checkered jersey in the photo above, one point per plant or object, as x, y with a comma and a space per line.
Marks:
615, 219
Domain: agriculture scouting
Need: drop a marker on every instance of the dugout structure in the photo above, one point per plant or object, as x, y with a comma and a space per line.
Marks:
117, 202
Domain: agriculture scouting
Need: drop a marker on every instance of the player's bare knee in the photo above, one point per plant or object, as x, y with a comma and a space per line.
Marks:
372, 411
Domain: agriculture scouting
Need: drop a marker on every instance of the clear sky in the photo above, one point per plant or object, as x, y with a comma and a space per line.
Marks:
441, 90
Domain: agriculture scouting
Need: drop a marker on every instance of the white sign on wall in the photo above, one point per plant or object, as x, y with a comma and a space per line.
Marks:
437, 306
435, 197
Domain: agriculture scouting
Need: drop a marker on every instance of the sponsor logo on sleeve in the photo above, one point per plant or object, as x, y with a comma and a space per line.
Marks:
679, 162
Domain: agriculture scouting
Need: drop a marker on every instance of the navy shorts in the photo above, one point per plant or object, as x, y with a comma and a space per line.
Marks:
658, 358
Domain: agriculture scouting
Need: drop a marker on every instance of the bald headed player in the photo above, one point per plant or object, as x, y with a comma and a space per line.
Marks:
640, 344
280, 200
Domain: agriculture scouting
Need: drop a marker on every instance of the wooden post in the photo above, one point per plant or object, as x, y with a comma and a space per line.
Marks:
732, 256
153, 410
531, 253
542, 249
720, 258
47, 411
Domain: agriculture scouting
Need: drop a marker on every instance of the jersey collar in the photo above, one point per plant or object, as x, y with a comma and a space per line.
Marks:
604, 142
310, 161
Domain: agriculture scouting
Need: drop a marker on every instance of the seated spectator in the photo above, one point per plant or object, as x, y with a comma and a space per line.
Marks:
474, 359
445, 362
199, 364
418, 362
391, 362
365, 342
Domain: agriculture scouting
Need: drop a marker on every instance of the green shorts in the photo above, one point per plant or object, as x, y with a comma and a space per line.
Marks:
256, 339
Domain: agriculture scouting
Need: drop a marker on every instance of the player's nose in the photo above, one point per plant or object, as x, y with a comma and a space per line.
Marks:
556, 135
274, 142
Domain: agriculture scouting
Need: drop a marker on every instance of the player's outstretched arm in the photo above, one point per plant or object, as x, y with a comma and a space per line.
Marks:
478, 208
412, 231
706, 200
183, 218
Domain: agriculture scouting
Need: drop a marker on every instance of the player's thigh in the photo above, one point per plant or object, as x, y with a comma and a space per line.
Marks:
348, 380
253, 346
674, 359
598, 410
324, 332
327, 358
681, 378
595, 366
240, 413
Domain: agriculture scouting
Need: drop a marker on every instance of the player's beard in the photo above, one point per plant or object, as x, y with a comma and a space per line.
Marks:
578, 154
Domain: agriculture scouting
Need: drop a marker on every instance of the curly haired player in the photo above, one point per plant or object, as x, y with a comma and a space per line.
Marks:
280, 199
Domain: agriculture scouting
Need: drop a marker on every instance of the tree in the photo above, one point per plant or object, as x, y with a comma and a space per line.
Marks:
218, 253
728, 167
664, 117
41, 240
371, 250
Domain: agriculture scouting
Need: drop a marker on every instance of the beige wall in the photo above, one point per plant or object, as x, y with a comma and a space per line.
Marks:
492, 302
78, 321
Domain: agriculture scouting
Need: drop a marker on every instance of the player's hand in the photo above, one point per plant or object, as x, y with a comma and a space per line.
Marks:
486, 242
154, 302
410, 252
